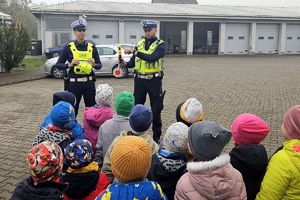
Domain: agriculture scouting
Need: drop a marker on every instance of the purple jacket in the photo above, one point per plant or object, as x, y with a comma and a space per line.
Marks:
93, 118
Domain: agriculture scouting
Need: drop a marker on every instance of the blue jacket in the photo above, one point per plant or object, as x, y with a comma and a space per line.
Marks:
135, 190
76, 128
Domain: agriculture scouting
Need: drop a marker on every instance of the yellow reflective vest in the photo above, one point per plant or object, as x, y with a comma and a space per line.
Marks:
82, 56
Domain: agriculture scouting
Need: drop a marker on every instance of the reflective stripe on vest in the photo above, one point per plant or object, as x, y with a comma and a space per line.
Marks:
144, 67
82, 56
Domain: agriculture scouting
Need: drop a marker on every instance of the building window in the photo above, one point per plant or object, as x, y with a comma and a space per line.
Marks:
133, 37
298, 38
270, 38
209, 38
241, 38
230, 37
96, 36
289, 38
109, 36
261, 38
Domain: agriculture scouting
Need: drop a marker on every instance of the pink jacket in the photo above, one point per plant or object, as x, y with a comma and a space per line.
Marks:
211, 180
93, 118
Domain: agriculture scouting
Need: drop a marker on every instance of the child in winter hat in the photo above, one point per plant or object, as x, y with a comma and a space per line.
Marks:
140, 120
62, 117
95, 116
45, 161
282, 179
112, 128
83, 177
169, 164
130, 162
206, 141
75, 128
189, 112
249, 156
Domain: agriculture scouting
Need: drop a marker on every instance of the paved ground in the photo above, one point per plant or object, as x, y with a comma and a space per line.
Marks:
226, 86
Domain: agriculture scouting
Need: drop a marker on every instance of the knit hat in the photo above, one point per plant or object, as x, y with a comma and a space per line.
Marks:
291, 122
140, 118
79, 154
130, 159
124, 103
189, 111
64, 96
249, 129
104, 94
45, 162
62, 115
176, 137
207, 140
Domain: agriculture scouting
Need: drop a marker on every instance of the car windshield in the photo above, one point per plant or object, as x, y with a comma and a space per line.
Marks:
106, 51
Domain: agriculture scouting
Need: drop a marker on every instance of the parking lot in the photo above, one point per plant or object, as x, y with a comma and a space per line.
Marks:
226, 86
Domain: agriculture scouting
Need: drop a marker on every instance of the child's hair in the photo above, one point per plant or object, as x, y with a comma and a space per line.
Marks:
45, 162
291, 123
104, 95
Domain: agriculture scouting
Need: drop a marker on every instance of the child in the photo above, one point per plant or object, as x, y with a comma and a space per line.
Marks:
140, 120
248, 156
83, 177
94, 117
189, 112
112, 128
169, 164
76, 129
130, 162
62, 117
45, 161
282, 179
210, 176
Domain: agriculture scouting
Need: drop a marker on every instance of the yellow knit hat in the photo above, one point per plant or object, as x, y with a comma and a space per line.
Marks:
130, 158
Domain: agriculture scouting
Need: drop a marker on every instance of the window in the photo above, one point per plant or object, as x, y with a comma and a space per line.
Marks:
261, 38
241, 38
298, 38
106, 51
132, 37
289, 38
109, 36
270, 38
96, 36
209, 38
230, 37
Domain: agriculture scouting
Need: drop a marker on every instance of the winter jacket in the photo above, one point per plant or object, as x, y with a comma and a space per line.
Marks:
251, 161
134, 190
26, 190
84, 184
108, 131
93, 118
106, 168
76, 129
53, 134
211, 180
282, 179
166, 169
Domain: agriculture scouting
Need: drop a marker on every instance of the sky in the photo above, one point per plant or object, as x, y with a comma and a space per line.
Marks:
265, 3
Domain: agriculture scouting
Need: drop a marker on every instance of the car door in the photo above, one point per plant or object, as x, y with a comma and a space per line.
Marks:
108, 57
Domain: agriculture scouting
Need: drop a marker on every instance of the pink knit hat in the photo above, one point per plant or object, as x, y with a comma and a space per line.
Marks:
248, 128
291, 122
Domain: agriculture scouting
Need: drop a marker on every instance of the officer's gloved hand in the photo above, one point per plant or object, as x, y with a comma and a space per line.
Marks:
73, 63
91, 61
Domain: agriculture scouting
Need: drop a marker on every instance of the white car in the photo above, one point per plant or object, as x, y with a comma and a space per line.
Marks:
109, 58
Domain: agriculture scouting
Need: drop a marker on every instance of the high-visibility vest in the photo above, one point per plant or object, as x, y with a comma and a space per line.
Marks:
144, 67
82, 56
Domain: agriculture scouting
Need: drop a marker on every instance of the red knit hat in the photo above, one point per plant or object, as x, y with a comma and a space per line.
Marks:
291, 122
249, 129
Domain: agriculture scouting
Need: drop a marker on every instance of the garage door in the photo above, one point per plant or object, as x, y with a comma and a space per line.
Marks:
292, 39
237, 38
103, 32
133, 32
267, 38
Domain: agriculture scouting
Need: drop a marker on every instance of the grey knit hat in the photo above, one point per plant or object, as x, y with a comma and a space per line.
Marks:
207, 140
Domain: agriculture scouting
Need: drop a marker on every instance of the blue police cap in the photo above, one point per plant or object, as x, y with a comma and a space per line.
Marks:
149, 24
79, 24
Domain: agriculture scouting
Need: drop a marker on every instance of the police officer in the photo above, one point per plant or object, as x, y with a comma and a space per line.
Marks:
147, 61
82, 57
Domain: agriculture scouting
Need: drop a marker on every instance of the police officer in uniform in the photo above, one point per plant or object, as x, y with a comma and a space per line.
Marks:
82, 57
147, 61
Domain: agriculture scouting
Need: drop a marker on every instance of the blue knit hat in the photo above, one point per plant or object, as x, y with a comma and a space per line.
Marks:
79, 154
62, 115
140, 118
